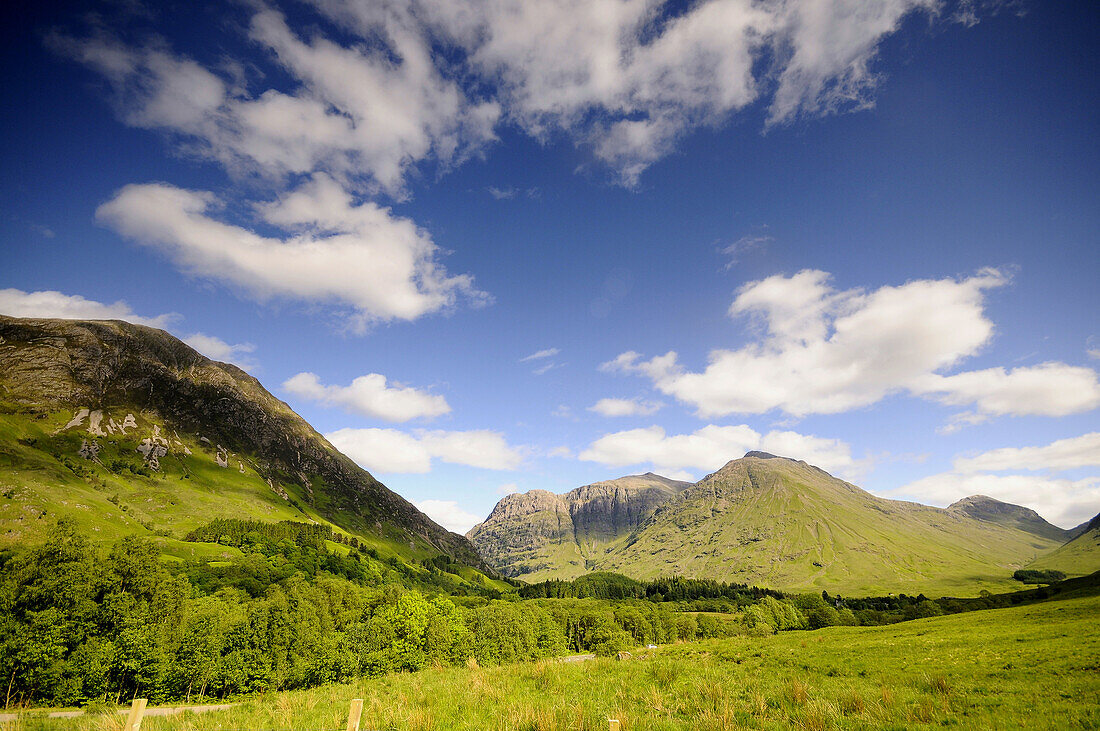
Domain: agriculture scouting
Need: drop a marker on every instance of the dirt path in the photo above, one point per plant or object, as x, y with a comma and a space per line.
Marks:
578, 658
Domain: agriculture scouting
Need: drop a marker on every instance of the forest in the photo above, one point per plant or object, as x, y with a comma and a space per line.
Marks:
77, 626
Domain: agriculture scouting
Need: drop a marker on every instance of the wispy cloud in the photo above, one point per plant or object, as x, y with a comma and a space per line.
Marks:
538, 355
733, 252
612, 407
543, 369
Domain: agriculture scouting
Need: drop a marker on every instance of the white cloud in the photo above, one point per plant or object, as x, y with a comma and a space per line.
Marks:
479, 448
612, 407
562, 451
824, 351
547, 353
1063, 502
625, 78
712, 446
363, 112
1064, 454
508, 488
449, 515
53, 304
384, 451
356, 256
370, 395
1049, 389
393, 451
217, 349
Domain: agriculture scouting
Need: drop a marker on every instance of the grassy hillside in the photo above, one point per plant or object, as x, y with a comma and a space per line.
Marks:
1078, 557
127, 430
785, 524
1027, 667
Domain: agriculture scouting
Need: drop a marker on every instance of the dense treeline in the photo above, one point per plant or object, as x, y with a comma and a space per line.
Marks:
233, 532
275, 551
1036, 576
76, 626
902, 608
608, 585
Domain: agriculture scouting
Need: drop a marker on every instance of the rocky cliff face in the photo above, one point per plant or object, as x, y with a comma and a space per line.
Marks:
531, 533
100, 368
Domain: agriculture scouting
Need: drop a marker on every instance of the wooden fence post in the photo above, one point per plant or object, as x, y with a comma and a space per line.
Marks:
137, 712
354, 714
612, 724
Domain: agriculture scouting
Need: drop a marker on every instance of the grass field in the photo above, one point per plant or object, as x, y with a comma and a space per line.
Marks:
1035, 667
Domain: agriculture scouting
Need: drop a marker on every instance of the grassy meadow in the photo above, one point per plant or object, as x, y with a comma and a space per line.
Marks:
1035, 667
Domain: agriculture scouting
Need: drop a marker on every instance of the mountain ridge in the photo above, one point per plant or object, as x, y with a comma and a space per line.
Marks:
784, 523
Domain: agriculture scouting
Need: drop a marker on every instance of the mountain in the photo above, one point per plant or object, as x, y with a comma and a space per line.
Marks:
782, 523
989, 510
539, 534
1079, 557
125, 429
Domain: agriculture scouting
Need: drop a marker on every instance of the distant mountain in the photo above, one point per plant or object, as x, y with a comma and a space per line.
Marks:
1079, 557
539, 533
776, 522
989, 510
125, 429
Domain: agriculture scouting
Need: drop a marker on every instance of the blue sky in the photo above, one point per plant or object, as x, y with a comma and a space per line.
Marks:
493, 247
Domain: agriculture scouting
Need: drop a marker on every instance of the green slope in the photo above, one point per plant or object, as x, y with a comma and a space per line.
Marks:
781, 523
1079, 557
125, 429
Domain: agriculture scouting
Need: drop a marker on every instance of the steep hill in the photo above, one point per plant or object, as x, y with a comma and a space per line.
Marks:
782, 523
990, 510
125, 429
539, 534
1079, 557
